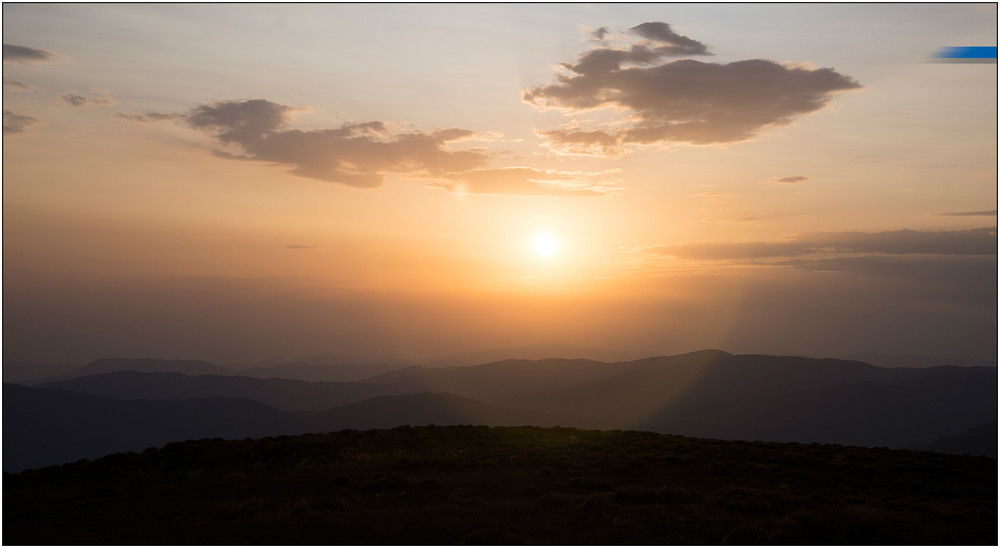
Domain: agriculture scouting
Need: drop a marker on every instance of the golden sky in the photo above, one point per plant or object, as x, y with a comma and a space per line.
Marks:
230, 181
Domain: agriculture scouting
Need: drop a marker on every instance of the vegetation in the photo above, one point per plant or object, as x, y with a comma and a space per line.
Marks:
505, 485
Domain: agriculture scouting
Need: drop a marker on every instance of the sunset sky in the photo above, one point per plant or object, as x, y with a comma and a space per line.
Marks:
228, 182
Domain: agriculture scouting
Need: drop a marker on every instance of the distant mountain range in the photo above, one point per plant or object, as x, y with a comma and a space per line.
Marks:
98, 409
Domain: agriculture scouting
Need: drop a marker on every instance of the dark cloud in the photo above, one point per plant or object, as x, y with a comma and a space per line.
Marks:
77, 100
15, 123
522, 181
970, 280
21, 54
687, 101
600, 33
977, 241
974, 242
793, 179
990, 213
354, 154
668, 42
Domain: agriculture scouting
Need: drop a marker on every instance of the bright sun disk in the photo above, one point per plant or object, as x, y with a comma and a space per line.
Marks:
546, 244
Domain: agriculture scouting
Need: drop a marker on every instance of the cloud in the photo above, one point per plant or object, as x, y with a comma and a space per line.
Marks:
296, 246
75, 99
600, 33
15, 123
740, 220
974, 242
150, 116
22, 54
733, 251
793, 179
14, 85
990, 213
524, 181
582, 143
354, 154
686, 101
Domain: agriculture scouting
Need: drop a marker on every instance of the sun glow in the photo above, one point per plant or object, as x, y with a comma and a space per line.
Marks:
546, 244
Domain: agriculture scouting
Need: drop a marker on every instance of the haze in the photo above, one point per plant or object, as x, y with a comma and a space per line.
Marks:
228, 182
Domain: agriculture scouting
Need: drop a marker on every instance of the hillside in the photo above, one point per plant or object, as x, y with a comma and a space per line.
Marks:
523, 485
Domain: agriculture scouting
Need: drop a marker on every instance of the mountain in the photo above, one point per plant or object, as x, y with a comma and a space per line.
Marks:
707, 394
779, 398
42, 427
30, 371
981, 440
145, 365
45, 427
497, 380
287, 394
919, 360
301, 370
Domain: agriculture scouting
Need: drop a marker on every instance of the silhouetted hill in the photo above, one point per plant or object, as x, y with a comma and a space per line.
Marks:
42, 427
144, 365
498, 380
45, 427
919, 360
780, 398
300, 370
981, 440
292, 395
30, 371
522, 485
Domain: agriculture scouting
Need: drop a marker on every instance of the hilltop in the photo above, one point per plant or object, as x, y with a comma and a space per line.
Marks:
505, 485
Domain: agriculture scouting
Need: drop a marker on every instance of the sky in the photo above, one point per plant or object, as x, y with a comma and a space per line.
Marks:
400, 181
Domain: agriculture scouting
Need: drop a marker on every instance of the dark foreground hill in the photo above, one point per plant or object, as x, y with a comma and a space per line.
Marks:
503, 485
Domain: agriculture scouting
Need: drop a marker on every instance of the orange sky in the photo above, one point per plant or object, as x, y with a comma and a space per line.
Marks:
228, 182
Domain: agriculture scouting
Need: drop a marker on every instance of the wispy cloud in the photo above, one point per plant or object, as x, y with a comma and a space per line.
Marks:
297, 246
102, 99
16, 123
526, 181
684, 100
22, 54
14, 85
793, 179
354, 154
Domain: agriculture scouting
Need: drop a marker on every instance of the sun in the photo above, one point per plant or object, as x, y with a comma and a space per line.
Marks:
546, 244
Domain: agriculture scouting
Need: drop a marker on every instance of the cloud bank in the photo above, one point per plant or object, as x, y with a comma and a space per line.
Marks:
680, 101
974, 242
